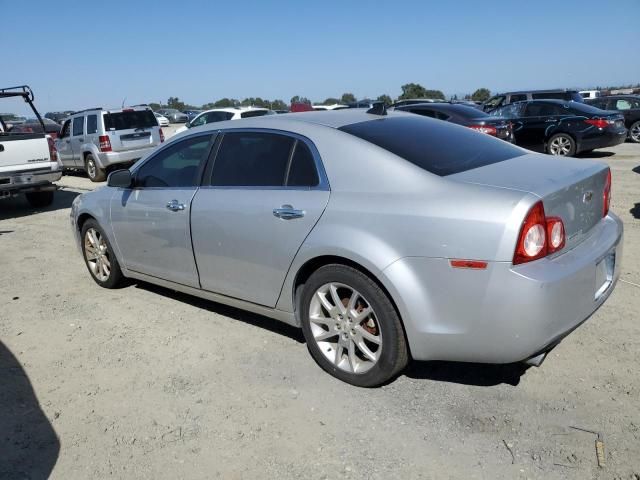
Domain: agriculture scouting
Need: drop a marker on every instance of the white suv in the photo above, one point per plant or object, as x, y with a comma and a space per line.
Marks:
222, 114
96, 138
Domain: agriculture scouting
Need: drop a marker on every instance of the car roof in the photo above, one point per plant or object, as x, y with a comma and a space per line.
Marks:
236, 109
444, 106
551, 90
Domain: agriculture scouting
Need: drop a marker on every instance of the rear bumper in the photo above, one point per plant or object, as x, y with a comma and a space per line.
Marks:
607, 139
128, 156
30, 180
505, 313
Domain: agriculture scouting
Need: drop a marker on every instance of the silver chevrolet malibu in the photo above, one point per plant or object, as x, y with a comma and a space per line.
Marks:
383, 236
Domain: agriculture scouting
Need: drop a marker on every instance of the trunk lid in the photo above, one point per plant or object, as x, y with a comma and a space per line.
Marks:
131, 129
570, 188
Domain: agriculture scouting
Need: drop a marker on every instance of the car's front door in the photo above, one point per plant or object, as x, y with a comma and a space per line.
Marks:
262, 197
151, 220
63, 145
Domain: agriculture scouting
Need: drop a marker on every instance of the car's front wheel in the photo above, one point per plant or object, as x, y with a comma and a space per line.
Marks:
351, 327
561, 144
94, 172
99, 257
634, 132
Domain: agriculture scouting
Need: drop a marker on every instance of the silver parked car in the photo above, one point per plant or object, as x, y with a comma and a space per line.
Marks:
94, 139
383, 237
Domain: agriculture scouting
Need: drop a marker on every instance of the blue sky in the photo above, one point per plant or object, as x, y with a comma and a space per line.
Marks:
78, 54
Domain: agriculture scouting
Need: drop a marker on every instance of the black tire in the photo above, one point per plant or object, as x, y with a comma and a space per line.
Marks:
564, 139
40, 199
394, 354
634, 132
95, 173
115, 278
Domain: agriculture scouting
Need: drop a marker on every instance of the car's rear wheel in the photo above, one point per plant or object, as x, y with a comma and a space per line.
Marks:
98, 256
40, 199
634, 132
561, 144
95, 173
351, 327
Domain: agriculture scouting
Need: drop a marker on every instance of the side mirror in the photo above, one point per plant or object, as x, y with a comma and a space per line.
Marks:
120, 179
188, 124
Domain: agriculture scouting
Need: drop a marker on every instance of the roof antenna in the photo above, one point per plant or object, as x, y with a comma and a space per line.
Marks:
379, 108
124, 100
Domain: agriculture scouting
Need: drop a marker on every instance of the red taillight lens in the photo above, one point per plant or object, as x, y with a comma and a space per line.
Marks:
53, 151
555, 234
488, 129
105, 143
606, 195
598, 122
161, 136
532, 242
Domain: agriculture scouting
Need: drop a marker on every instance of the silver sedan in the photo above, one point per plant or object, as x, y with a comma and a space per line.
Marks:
384, 237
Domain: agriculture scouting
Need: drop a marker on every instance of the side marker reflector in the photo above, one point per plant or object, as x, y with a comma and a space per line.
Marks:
474, 264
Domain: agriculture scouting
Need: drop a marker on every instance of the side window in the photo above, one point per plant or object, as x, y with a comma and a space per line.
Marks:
543, 110
518, 97
442, 116
302, 172
92, 124
78, 126
201, 120
424, 112
252, 159
65, 129
175, 166
623, 104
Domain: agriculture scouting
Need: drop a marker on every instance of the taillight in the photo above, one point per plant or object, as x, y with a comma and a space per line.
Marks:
105, 143
488, 129
161, 136
599, 122
539, 236
606, 195
53, 151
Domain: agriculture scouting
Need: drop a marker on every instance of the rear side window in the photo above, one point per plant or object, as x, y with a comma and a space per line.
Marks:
437, 147
554, 96
544, 109
252, 159
130, 119
255, 113
302, 172
92, 124
518, 97
78, 125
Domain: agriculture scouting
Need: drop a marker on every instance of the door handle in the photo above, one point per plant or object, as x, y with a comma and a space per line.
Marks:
287, 212
175, 206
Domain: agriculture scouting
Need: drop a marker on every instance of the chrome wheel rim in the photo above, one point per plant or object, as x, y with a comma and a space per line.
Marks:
345, 328
634, 132
560, 146
96, 254
91, 168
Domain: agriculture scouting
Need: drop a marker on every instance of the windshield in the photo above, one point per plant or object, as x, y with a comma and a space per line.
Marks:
130, 119
435, 146
508, 111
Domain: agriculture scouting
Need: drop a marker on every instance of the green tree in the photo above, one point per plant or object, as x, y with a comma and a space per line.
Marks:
347, 98
386, 99
299, 99
226, 103
330, 101
174, 102
278, 105
481, 95
415, 90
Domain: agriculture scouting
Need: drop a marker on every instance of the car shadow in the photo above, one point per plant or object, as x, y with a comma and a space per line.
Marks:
477, 374
249, 318
29, 446
595, 154
635, 211
18, 207
636, 169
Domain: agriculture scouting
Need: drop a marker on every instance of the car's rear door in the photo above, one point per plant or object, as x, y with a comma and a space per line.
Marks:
261, 197
151, 220
77, 139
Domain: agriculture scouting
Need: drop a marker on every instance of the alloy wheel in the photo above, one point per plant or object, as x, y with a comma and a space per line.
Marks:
634, 132
345, 328
560, 146
91, 168
96, 254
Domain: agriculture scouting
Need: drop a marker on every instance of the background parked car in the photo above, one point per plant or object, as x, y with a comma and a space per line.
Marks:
222, 114
512, 97
58, 117
32, 125
627, 105
413, 101
191, 114
300, 107
11, 119
174, 116
463, 115
564, 128
335, 106
95, 139
586, 94
162, 120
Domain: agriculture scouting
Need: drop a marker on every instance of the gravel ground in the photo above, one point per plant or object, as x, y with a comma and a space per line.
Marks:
143, 382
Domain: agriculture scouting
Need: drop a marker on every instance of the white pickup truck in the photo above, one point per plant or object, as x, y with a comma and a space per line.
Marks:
29, 162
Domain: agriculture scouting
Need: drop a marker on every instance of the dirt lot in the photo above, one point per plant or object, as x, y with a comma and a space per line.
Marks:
143, 382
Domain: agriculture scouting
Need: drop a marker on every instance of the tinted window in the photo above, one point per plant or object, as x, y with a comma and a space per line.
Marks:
175, 166
65, 128
252, 159
424, 112
544, 109
255, 113
518, 97
92, 124
211, 117
129, 120
553, 95
494, 102
78, 125
438, 147
302, 172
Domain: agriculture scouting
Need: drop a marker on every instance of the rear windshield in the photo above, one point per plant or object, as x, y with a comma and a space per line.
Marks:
437, 147
583, 108
129, 120
254, 113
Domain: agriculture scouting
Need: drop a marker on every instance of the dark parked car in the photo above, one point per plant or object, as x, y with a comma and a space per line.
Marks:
174, 116
413, 101
191, 114
464, 115
627, 105
58, 117
521, 96
32, 125
563, 128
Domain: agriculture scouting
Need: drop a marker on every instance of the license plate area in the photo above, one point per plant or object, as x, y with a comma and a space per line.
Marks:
604, 274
